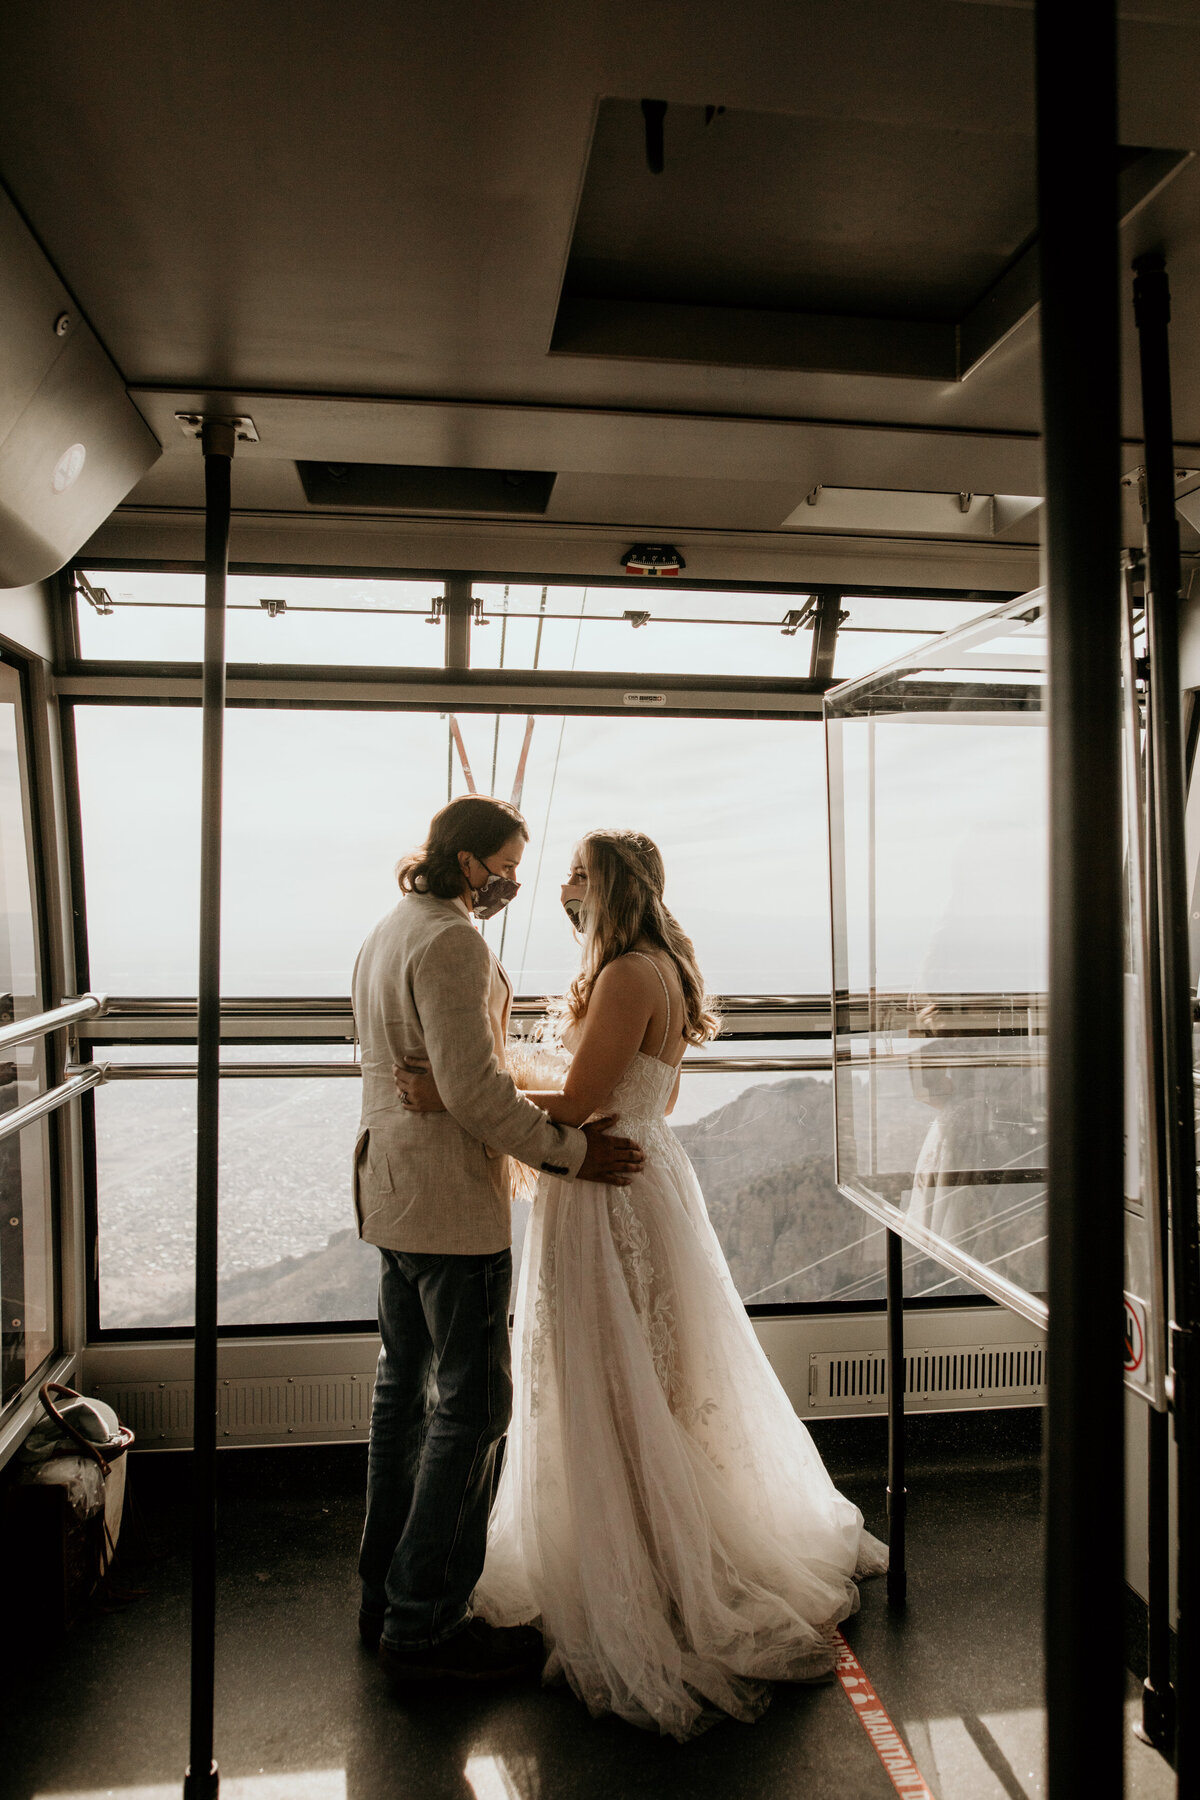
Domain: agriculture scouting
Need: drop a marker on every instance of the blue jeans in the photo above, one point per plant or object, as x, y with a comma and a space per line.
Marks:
443, 1399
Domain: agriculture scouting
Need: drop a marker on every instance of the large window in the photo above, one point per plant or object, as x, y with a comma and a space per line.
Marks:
321, 799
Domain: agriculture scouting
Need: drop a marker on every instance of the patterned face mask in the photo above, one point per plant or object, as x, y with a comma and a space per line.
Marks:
573, 907
493, 896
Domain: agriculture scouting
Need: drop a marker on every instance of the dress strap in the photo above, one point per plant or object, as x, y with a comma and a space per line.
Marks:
662, 982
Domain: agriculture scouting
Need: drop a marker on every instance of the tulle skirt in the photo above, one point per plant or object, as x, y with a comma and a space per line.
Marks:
662, 1512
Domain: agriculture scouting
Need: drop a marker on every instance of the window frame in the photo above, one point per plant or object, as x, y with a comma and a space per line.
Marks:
35, 769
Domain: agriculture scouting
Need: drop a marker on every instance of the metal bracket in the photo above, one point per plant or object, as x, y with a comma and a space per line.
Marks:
98, 597
273, 608
637, 619
800, 616
244, 429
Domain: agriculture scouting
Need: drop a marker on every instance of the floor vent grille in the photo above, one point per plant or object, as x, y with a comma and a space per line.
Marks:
955, 1375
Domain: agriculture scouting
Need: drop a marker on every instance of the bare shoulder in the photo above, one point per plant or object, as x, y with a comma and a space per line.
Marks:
625, 979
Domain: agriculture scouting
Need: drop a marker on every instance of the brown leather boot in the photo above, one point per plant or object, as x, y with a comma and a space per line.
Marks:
479, 1652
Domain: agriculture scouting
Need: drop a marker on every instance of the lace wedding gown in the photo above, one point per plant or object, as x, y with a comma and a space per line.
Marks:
662, 1511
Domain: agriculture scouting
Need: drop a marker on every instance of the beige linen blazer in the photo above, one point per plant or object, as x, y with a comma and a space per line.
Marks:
426, 984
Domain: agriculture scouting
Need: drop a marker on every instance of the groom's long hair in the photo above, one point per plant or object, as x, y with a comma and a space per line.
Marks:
624, 906
473, 822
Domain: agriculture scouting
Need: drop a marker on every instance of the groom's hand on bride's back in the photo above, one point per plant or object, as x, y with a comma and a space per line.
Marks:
612, 1160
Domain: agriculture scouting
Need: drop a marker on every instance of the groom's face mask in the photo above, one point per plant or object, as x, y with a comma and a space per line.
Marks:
494, 895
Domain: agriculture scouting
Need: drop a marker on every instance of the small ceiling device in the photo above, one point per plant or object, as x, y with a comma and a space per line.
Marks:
652, 559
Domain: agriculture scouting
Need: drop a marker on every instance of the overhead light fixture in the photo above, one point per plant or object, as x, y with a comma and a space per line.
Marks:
905, 512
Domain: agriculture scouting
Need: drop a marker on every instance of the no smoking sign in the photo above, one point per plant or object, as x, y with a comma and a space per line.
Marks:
1135, 1337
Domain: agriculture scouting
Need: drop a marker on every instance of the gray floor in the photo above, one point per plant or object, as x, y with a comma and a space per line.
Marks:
303, 1713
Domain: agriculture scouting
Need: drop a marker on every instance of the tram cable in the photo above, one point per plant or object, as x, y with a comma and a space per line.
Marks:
562, 726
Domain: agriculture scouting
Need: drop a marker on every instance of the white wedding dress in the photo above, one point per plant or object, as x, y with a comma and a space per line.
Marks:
662, 1512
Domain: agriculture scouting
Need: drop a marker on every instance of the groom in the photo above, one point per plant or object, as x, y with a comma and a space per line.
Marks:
431, 1190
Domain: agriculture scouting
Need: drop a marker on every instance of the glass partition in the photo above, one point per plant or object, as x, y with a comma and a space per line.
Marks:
939, 838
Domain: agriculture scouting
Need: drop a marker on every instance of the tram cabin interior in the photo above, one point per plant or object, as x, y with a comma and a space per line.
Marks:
649, 415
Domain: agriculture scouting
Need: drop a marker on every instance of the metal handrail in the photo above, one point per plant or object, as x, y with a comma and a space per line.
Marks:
83, 1006
76, 1083
267, 1071
323, 1006
714, 1065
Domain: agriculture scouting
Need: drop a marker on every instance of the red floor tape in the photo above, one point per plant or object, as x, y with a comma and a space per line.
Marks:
890, 1747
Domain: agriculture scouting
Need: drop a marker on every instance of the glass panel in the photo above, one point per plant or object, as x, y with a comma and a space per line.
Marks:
761, 1146
858, 652
939, 835
879, 627
289, 1250
27, 1273
319, 805
686, 631
159, 617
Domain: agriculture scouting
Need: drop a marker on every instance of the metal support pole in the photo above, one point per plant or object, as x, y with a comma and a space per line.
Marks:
202, 1781
1152, 310
1080, 357
897, 1493
458, 622
1158, 1694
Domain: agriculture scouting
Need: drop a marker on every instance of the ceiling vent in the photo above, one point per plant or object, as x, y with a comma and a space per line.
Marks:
426, 488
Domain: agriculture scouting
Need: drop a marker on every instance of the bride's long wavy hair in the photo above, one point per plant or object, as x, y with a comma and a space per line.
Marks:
625, 906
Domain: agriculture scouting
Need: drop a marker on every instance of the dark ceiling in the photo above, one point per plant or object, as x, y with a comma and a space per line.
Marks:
355, 223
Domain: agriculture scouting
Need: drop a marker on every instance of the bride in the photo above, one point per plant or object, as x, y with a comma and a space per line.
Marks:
662, 1514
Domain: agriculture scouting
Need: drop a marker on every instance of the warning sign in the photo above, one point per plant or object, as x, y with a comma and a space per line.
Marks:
1135, 1337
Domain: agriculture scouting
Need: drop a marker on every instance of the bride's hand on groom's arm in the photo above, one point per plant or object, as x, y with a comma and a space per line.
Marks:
416, 1087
